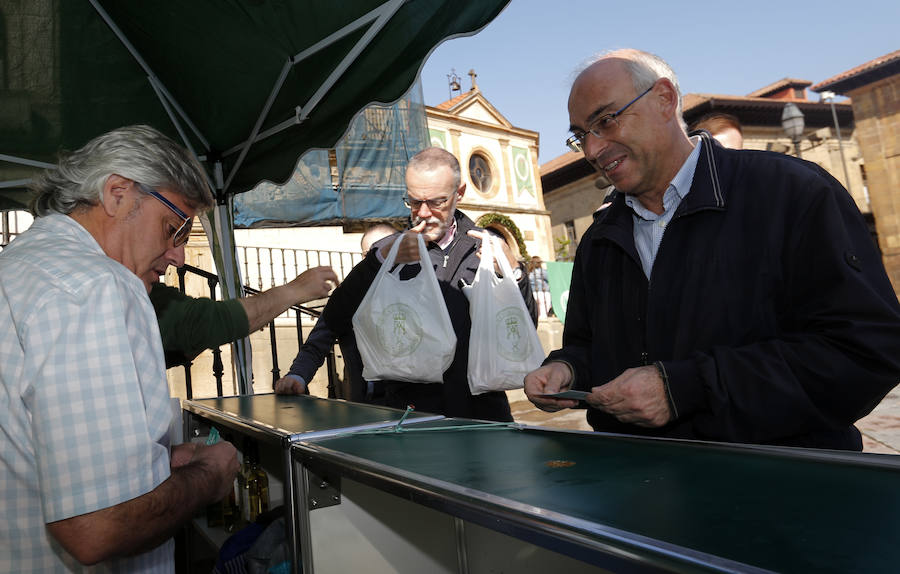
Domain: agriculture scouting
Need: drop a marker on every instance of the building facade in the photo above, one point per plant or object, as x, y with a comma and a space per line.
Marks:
874, 89
760, 115
498, 163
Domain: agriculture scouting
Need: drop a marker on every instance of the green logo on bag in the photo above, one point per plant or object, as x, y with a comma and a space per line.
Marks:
399, 330
513, 343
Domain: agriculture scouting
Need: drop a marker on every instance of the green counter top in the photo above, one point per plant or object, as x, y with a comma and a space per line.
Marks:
787, 510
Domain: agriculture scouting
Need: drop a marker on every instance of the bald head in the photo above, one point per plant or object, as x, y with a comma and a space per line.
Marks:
642, 68
373, 234
624, 108
433, 189
434, 158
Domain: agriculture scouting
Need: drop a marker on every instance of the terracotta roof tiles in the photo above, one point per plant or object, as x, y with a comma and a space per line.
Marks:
778, 86
449, 104
886, 65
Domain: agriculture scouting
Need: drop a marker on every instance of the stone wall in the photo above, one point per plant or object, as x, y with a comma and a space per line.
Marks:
876, 108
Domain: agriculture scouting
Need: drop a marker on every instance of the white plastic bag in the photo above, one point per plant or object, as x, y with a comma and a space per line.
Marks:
402, 327
503, 343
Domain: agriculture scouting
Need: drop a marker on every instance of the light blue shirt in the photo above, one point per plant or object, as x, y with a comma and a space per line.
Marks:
84, 403
650, 227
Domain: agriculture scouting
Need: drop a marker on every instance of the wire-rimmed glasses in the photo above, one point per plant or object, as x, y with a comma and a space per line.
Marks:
602, 126
433, 204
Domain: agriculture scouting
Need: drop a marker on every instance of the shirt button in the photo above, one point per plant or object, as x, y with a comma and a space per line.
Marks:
662, 223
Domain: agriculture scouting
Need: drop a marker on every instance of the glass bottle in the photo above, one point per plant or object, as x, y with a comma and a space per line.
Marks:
231, 513
254, 485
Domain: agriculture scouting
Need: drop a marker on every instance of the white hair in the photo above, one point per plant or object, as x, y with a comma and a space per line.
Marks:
139, 153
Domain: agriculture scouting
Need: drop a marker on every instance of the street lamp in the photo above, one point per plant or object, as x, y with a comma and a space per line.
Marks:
792, 123
829, 97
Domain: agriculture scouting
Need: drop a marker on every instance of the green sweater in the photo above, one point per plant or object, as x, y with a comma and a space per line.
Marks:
190, 325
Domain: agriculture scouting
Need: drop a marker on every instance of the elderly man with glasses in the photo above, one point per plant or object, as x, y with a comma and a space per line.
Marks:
723, 295
434, 189
189, 325
87, 470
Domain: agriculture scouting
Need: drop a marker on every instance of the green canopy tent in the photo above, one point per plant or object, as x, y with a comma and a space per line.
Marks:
247, 85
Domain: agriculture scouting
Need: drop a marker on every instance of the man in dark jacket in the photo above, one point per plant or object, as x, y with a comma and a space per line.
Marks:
724, 295
433, 191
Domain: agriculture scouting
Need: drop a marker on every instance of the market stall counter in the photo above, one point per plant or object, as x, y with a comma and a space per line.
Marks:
268, 424
461, 496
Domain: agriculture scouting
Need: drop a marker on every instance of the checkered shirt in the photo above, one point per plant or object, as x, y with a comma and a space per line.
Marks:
84, 403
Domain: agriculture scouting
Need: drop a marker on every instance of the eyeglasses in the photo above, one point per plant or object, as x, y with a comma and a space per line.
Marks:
416, 204
602, 126
179, 235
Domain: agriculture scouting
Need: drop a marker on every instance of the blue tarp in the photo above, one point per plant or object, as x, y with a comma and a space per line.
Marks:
370, 162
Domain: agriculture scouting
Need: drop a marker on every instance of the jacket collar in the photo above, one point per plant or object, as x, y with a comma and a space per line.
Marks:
463, 226
707, 191
616, 223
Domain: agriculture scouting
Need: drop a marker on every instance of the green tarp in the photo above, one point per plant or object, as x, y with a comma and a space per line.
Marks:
559, 275
248, 85
288, 75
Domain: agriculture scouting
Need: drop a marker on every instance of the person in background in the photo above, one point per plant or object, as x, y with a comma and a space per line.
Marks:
320, 342
540, 286
189, 325
724, 295
434, 189
724, 128
88, 472
375, 234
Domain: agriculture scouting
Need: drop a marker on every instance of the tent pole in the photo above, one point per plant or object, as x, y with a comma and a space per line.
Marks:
158, 89
387, 12
221, 241
259, 121
380, 15
143, 64
28, 162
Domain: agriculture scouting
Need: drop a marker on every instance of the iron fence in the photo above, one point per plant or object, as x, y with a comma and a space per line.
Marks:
299, 312
267, 267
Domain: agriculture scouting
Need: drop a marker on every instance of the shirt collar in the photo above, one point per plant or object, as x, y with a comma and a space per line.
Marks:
685, 176
680, 184
447, 239
66, 225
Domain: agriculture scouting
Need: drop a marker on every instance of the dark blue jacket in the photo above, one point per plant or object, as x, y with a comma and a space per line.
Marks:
768, 305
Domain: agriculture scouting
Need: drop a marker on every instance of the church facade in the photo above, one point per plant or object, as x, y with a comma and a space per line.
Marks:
498, 163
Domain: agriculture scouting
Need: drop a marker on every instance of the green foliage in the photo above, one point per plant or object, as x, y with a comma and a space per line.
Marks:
562, 249
498, 218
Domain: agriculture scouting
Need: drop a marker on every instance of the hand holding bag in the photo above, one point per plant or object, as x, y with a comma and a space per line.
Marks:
503, 343
402, 327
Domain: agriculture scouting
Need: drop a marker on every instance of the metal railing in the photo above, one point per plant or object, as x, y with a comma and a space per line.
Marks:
267, 267
298, 311
12, 223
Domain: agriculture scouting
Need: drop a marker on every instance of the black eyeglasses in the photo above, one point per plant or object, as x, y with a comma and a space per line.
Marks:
416, 204
602, 126
179, 235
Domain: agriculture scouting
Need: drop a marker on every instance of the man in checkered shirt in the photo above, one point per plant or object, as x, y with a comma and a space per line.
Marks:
87, 473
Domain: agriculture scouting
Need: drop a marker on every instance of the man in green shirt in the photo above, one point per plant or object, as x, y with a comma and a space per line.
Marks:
189, 325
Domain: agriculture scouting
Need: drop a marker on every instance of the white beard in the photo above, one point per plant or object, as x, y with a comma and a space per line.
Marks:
428, 235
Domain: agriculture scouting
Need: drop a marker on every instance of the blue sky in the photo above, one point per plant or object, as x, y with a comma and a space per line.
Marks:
525, 57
